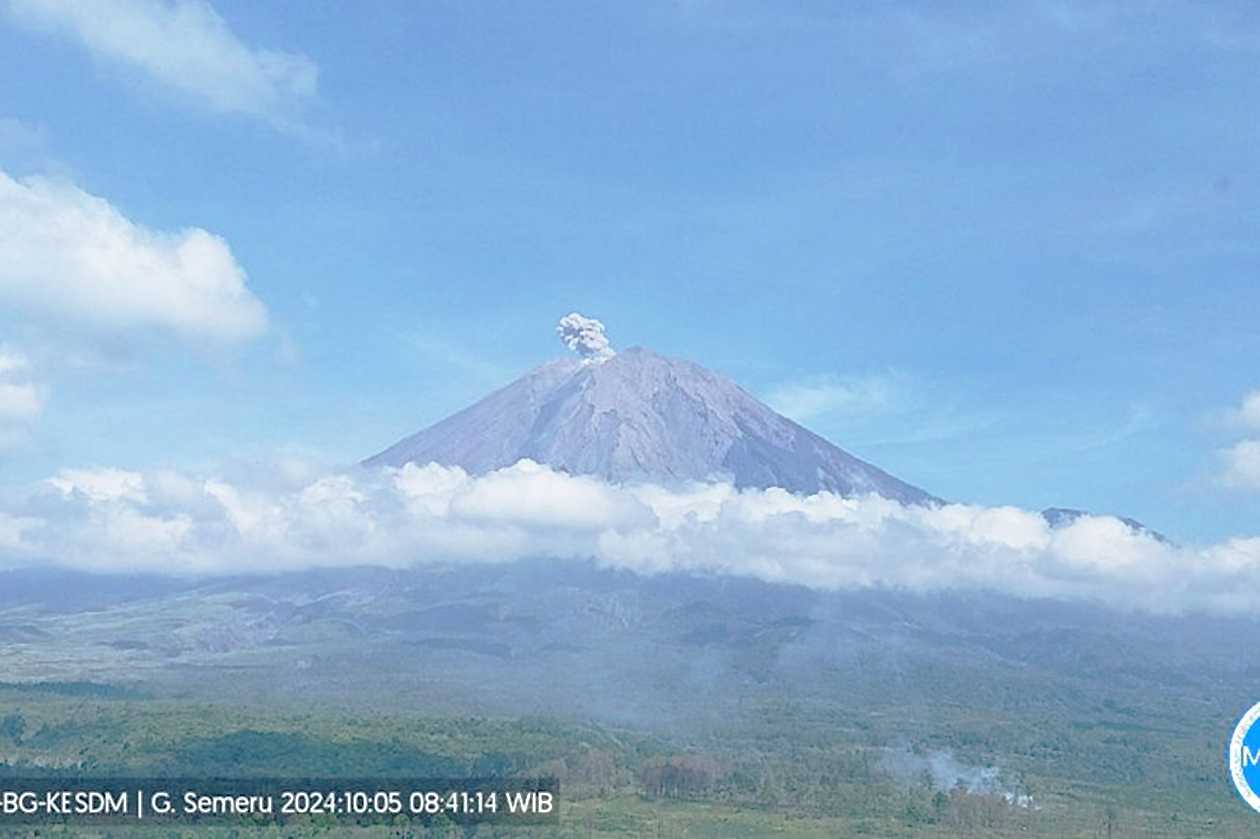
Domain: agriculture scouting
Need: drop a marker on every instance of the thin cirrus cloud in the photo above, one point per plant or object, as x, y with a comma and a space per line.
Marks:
187, 47
18, 136
71, 255
176, 523
825, 396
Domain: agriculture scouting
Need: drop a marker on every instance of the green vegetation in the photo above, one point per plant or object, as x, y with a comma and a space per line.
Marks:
726, 707
778, 768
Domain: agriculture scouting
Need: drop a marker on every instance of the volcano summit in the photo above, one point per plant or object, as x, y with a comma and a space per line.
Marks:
635, 416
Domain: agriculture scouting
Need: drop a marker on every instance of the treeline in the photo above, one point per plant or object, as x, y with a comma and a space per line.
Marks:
823, 782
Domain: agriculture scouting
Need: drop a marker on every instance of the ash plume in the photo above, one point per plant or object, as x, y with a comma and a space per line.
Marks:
585, 336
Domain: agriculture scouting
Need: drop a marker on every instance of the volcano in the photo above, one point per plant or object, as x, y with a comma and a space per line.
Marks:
636, 416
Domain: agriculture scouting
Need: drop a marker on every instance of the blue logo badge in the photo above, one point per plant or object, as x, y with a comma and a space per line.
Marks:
1244, 757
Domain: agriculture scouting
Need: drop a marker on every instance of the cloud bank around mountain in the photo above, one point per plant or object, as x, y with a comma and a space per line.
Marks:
175, 523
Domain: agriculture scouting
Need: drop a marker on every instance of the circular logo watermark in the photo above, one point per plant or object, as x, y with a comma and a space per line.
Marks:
1244, 757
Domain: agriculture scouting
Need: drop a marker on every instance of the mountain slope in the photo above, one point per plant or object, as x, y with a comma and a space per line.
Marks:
639, 416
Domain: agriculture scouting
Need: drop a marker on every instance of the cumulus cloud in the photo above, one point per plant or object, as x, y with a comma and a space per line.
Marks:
71, 254
585, 336
174, 523
186, 46
102, 485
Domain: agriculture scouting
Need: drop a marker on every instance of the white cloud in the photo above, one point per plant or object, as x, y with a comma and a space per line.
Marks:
13, 531
163, 522
1247, 415
533, 495
101, 485
19, 402
21, 399
186, 46
1242, 465
12, 361
824, 396
71, 254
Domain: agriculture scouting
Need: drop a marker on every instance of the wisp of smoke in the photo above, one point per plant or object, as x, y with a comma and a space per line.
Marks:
586, 337
946, 773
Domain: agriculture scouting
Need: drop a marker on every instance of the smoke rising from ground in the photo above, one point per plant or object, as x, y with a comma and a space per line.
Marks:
944, 772
174, 523
586, 337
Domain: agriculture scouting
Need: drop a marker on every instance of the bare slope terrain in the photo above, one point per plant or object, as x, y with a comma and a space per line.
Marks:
637, 417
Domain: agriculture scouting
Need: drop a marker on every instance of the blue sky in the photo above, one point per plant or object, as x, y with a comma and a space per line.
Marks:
1010, 256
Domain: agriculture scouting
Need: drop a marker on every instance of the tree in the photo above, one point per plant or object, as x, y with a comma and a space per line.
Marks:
13, 726
679, 777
